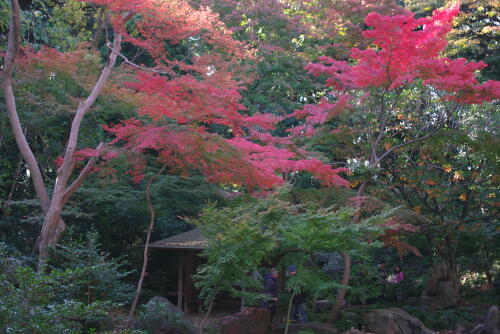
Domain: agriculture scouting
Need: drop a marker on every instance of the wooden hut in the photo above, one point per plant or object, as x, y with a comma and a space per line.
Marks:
189, 244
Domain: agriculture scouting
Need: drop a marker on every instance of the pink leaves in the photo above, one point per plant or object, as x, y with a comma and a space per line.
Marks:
191, 98
407, 49
235, 161
318, 114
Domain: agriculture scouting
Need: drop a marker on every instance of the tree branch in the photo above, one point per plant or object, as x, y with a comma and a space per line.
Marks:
64, 172
6, 83
83, 174
152, 217
409, 142
131, 63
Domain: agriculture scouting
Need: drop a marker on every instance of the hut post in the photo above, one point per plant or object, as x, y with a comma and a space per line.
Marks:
179, 280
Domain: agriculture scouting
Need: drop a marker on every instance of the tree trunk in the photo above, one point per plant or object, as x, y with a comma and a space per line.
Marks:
289, 310
346, 275
152, 216
10, 101
205, 318
342, 290
53, 225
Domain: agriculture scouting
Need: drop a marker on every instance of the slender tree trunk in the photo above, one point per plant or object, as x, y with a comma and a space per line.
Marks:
10, 101
288, 312
207, 315
53, 225
342, 290
152, 217
346, 275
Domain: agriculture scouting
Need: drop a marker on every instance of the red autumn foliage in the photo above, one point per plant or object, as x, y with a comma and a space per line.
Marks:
182, 104
408, 49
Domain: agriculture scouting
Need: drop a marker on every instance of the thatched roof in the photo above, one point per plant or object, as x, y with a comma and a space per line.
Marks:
192, 239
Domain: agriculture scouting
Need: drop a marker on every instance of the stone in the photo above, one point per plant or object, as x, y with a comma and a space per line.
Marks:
493, 321
332, 263
165, 304
442, 289
316, 327
323, 305
356, 331
252, 320
394, 321
445, 296
491, 325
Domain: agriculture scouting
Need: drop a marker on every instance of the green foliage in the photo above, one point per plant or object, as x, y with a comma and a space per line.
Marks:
46, 303
441, 319
99, 276
155, 316
59, 24
237, 246
243, 236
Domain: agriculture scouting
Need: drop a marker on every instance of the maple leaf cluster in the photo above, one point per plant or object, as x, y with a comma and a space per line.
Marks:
405, 49
181, 102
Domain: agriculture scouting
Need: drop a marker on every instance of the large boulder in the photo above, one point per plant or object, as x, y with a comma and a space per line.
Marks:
160, 316
165, 304
252, 320
442, 288
492, 324
445, 296
394, 321
323, 305
315, 327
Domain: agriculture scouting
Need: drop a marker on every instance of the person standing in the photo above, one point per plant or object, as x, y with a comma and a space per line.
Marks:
271, 289
299, 300
396, 279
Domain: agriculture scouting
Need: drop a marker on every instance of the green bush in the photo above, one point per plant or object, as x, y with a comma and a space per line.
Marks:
80, 295
156, 315
441, 319
99, 276
31, 303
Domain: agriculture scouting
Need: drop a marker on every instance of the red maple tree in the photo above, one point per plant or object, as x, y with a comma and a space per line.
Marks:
405, 58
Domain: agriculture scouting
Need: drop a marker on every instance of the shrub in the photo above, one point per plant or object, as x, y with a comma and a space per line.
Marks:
157, 315
79, 295
99, 276
441, 319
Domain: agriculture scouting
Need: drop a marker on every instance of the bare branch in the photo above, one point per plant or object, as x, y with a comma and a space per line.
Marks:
409, 142
129, 62
64, 172
83, 173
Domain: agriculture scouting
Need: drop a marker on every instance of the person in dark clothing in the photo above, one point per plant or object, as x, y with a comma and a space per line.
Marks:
299, 300
382, 271
271, 289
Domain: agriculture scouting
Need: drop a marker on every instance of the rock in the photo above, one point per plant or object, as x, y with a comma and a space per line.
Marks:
446, 296
252, 320
165, 304
332, 263
316, 327
479, 329
323, 305
394, 321
493, 321
441, 272
442, 288
162, 317
492, 324
459, 329
356, 331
